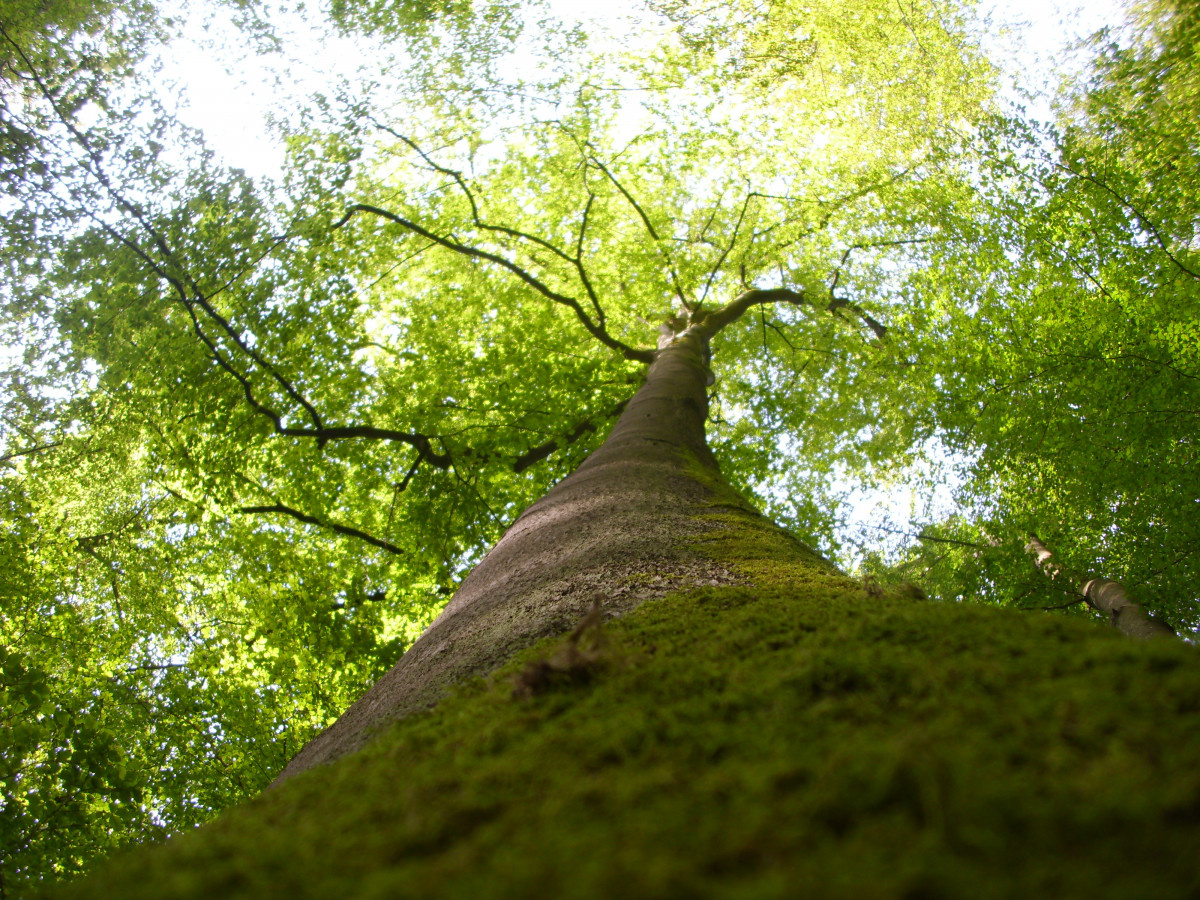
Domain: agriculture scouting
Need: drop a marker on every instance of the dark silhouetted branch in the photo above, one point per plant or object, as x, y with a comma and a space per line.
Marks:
29, 450
650, 229
597, 331
347, 530
1142, 217
536, 454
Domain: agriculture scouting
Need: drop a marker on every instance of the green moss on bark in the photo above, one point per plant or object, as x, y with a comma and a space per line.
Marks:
794, 738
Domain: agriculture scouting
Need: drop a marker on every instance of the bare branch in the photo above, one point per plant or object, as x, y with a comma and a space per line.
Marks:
347, 530
836, 302
597, 331
29, 450
658, 242
922, 536
725, 253
187, 289
470, 195
578, 261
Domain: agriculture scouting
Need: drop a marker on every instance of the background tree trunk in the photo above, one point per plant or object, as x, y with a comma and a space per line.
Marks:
1102, 595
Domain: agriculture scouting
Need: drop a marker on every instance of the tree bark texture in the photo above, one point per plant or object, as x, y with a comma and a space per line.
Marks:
614, 533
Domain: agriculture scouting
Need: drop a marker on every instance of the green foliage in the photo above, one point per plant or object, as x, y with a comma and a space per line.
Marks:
1068, 376
256, 432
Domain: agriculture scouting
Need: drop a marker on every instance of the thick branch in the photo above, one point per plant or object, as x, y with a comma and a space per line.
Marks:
419, 442
712, 323
715, 321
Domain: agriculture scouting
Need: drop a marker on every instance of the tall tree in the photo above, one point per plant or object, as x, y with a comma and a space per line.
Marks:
301, 412
754, 723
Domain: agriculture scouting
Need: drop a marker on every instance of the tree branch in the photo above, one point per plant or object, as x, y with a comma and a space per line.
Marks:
650, 229
1074, 602
725, 253
712, 323
347, 530
1146, 223
836, 302
537, 454
186, 288
922, 536
597, 331
29, 450
470, 195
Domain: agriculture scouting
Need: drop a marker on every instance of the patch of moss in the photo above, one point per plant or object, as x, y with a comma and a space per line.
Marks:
741, 538
797, 738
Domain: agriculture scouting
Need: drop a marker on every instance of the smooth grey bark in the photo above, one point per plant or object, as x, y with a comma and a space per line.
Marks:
1101, 594
615, 532
618, 531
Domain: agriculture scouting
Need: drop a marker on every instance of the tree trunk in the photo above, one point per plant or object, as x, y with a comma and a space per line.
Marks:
1102, 595
618, 531
780, 732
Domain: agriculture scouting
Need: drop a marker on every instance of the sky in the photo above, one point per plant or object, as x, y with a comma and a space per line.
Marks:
1030, 39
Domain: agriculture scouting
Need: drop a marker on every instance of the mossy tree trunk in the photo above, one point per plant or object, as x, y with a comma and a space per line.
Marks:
765, 728
620, 530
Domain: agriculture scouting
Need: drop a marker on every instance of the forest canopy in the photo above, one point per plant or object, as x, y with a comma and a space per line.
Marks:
256, 429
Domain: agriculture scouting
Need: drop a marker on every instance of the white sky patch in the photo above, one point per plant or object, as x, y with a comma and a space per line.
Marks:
232, 114
1037, 42
231, 98
231, 95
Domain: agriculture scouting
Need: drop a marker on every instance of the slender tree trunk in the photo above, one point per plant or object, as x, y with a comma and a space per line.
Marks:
618, 531
1101, 594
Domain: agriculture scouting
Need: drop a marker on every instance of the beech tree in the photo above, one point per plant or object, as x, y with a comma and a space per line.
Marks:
1074, 412
269, 438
